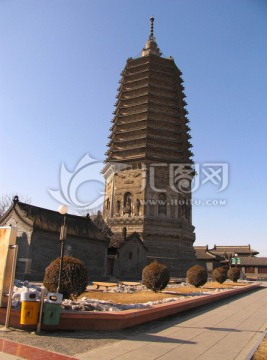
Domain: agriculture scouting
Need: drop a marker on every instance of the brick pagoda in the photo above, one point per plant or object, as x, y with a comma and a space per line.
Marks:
148, 170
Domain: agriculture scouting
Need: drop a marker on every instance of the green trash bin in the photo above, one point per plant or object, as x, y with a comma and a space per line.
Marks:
52, 309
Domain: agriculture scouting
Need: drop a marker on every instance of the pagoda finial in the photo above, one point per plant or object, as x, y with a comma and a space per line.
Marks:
151, 27
151, 46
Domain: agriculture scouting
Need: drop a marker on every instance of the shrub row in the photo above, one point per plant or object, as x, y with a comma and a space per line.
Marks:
155, 276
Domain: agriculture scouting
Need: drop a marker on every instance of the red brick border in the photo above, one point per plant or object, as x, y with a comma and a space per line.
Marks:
30, 352
104, 320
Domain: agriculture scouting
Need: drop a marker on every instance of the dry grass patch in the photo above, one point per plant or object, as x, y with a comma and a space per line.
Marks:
139, 297
261, 353
228, 285
126, 298
185, 290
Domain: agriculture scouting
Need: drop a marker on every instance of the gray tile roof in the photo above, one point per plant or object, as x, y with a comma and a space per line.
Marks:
240, 250
49, 220
203, 254
253, 261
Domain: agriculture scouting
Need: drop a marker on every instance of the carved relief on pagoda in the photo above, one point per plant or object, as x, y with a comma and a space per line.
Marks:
124, 195
164, 199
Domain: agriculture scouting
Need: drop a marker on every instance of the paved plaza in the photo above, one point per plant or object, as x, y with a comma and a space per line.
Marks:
227, 330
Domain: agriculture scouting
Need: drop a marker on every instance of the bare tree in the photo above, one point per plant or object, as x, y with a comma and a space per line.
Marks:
7, 199
99, 221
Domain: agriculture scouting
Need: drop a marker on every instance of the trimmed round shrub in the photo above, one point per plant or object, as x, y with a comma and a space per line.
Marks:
74, 277
233, 274
197, 276
219, 274
156, 276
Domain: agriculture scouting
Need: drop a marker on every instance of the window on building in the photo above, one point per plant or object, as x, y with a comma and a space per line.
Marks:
108, 204
250, 269
130, 255
262, 270
137, 207
118, 207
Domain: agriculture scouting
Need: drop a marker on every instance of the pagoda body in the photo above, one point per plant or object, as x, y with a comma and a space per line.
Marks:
148, 170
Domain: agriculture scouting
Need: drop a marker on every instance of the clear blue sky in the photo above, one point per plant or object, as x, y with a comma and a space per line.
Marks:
60, 63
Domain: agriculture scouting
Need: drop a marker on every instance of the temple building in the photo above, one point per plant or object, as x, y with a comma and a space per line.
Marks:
149, 165
38, 241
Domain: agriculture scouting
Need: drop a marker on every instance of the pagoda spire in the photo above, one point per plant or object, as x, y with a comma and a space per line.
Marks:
151, 46
151, 36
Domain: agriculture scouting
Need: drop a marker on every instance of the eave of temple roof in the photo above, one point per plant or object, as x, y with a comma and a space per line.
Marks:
129, 159
122, 123
134, 109
126, 103
151, 90
139, 84
169, 132
164, 85
132, 63
153, 126
163, 105
161, 155
120, 130
150, 113
125, 139
124, 91
150, 68
173, 124
150, 75
148, 94
160, 139
127, 154
148, 146
151, 119
146, 155
152, 59
39, 218
168, 147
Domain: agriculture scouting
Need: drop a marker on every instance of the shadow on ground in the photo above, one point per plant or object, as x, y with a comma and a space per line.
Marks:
82, 341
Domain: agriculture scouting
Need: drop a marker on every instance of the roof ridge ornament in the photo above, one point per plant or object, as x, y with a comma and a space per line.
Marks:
15, 199
151, 46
